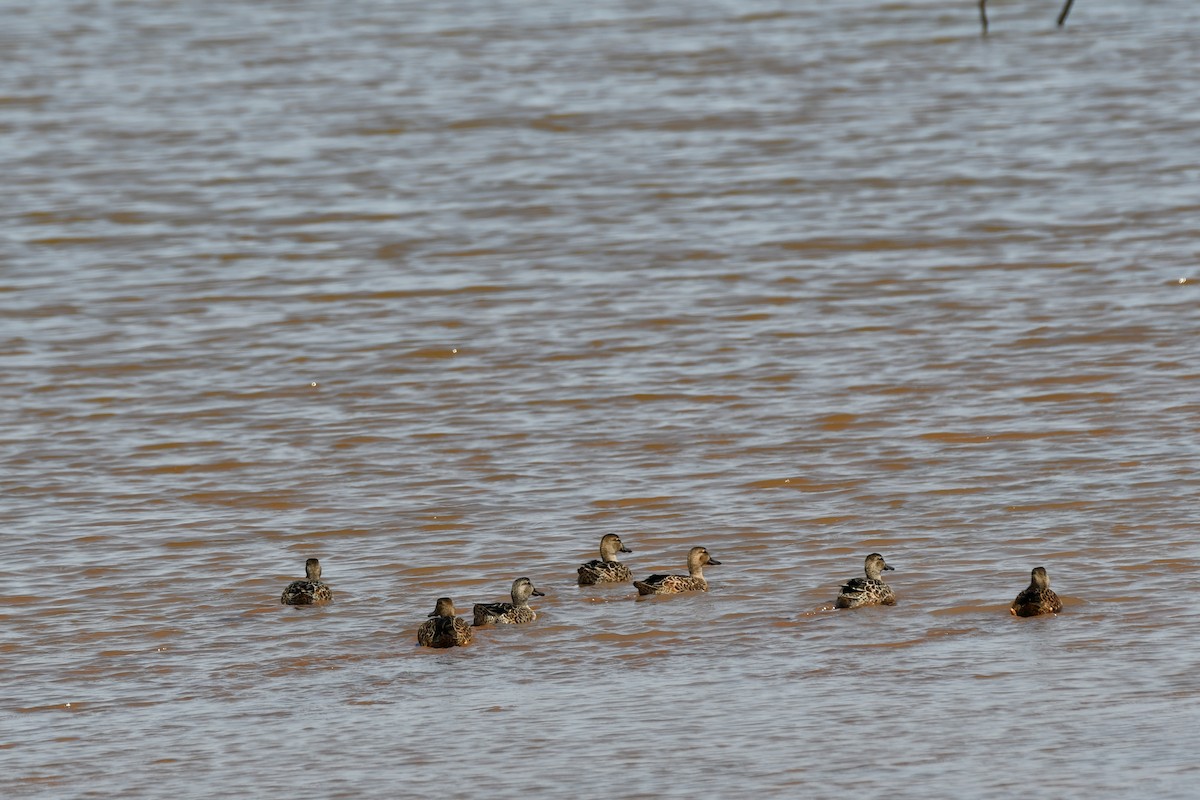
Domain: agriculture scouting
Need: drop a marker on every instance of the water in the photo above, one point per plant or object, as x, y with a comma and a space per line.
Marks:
441, 294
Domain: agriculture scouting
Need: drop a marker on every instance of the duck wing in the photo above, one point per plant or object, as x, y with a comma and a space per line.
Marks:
487, 612
299, 593
590, 572
865, 591
597, 571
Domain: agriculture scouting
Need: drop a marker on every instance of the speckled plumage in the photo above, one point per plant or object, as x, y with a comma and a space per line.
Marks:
443, 629
1038, 598
606, 569
516, 612
309, 591
674, 584
868, 591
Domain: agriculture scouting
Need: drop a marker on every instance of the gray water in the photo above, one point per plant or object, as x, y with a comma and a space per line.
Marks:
440, 294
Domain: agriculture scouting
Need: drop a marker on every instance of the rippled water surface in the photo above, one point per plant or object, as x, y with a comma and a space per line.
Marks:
441, 293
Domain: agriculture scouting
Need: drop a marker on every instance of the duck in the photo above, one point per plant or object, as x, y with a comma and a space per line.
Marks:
868, 591
1038, 598
513, 613
443, 628
606, 569
674, 584
309, 591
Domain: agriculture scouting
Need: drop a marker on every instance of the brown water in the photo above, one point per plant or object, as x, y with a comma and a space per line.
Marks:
440, 293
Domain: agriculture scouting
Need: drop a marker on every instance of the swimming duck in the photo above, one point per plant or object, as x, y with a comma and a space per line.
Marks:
868, 591
1038, 598
443, 629
674, 584
510, 613
606, 569
308, 591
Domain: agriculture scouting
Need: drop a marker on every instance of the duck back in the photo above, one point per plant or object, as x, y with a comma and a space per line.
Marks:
865, 592
444, 632
502, 614
1034, 601
597, 571
671, 584
306, 593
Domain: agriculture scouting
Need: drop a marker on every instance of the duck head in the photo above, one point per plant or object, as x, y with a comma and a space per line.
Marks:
522, 589
698, 557
610, 545
875, 565
312, 569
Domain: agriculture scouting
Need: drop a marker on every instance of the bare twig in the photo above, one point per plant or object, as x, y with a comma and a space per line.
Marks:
1066, 10
983, 20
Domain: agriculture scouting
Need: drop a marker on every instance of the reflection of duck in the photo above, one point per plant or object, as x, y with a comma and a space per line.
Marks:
868, 591
309, 591
443, 629
606, 569
674, 584
510, 613
1038, 598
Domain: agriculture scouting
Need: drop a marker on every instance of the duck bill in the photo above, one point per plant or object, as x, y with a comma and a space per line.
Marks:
538, 593
714, 561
